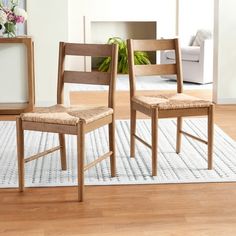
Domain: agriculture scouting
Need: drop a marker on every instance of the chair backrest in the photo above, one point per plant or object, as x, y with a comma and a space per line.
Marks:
154, 69
83, 77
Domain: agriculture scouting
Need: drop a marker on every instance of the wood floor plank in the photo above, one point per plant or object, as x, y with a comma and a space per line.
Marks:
121, 210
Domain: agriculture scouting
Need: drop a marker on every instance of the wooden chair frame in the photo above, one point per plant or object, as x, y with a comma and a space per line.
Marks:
64, 76
154, 113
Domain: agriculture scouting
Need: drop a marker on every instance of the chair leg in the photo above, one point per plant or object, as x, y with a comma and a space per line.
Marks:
20, 152
81, 151
178, 134
132, 131
112, 147
63, 151
154, 141
210, 136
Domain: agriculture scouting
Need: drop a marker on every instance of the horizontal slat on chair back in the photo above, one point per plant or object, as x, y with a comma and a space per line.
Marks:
98, 78
82, 77
155, 69
87, 77
93, 50
153, 45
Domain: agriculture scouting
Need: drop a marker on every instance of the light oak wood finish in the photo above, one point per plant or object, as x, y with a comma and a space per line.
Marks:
210, 129
133, 115
154, 119
112, 144
63, 151
101, 78
142, 141
184, 209
194, 137
178, 134
20, 152
170, 209
155, 112
81, 128
101, 158
41, 154
91, 50
18, 108
81, 151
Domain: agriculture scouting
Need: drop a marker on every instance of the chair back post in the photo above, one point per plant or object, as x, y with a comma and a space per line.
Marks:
132, 79
61, 66
178, 62
113, 71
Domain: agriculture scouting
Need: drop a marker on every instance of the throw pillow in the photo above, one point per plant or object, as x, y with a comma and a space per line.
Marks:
201, 36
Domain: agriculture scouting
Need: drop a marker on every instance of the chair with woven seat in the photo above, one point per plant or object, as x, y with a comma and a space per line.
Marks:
177, 105
74, 120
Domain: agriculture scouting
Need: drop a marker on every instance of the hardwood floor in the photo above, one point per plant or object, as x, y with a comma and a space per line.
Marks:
186, 209
168, 209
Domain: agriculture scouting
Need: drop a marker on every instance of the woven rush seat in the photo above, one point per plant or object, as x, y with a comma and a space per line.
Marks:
171, 101
60, 114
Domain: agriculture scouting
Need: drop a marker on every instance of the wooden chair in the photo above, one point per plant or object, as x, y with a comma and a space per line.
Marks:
164, 105
77, 120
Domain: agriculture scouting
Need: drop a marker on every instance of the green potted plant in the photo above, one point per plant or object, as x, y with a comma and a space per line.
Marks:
140, 58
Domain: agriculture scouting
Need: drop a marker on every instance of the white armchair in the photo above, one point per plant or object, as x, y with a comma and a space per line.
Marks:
197, 62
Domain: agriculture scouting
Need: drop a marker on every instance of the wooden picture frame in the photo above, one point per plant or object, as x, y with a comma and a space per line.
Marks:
17, 108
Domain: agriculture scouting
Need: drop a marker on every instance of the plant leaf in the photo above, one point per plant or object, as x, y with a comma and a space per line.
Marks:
140, 58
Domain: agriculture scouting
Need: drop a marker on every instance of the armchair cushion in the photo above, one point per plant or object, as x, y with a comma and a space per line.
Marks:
189, 53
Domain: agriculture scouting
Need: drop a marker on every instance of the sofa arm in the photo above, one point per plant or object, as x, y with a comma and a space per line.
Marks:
206, 51
206, 60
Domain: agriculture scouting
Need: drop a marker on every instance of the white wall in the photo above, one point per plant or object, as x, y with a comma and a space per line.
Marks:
13, 73
51, 21
84, 12
48, 29
48, 24
194, 15
225, 52
164, 11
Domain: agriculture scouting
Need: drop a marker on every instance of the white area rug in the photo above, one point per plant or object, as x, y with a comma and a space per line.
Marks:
190, 166
143, 83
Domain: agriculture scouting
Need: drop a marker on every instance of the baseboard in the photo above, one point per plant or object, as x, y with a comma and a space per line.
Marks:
226, 101
50, 103
44, 103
